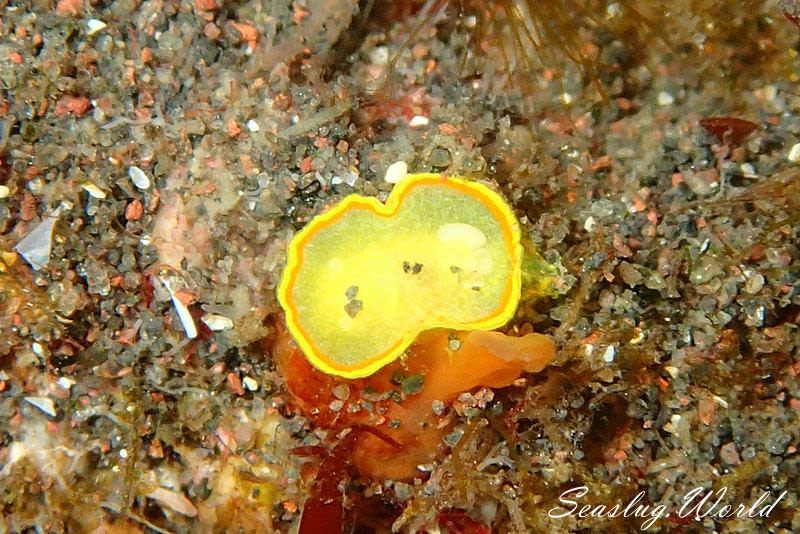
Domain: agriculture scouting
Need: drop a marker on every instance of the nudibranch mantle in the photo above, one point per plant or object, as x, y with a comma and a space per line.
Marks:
363, 279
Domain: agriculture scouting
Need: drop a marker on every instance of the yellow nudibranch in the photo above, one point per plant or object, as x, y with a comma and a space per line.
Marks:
364, 279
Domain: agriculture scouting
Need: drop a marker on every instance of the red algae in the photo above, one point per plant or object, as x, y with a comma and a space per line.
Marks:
448, 363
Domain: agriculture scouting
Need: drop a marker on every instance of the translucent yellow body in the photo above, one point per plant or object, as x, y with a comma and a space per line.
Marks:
365, 278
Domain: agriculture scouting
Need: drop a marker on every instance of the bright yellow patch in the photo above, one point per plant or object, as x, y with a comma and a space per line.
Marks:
363, 279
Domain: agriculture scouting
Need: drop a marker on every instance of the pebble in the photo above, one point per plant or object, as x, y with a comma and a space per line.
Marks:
748, 170
379, 55
403, 491
440, 158
45, 404
97, 278
65, 382
630, 275
94, 25
396, 172
453, 437
701, 183
602, 208
173, 500
217, 322
794, 154
351, 176
37, 245
665, 99
719, 400
777, 440
606, 375
418, 120
341, 392
4, 191
729, 454
253, 126
250, 383
184, 315
609, 354
705, 271
139, 178
93, 190
754, 283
